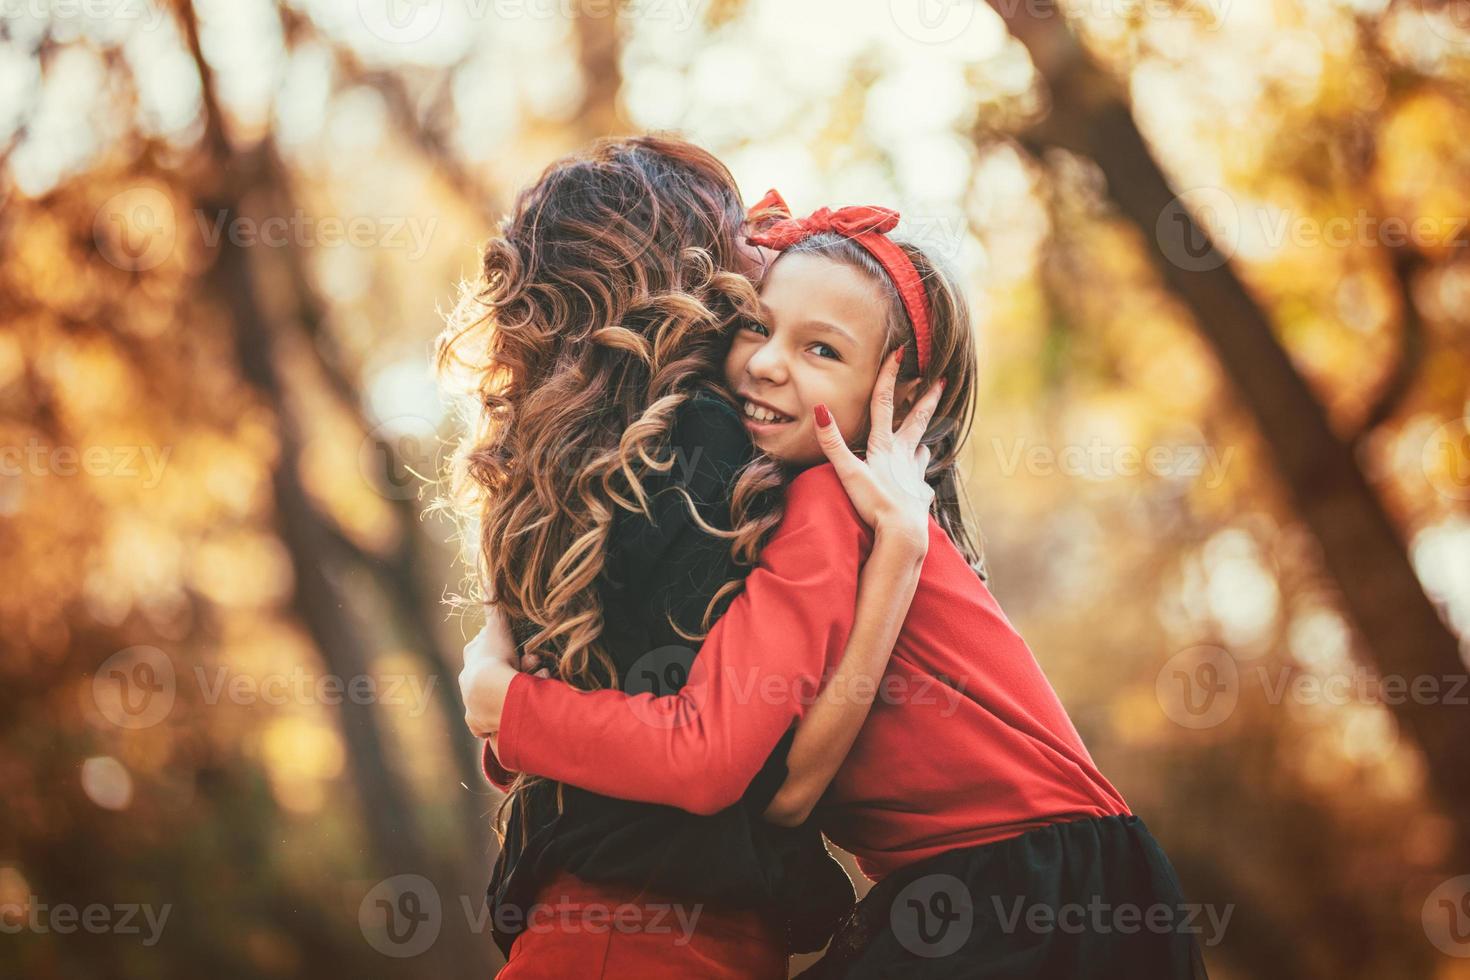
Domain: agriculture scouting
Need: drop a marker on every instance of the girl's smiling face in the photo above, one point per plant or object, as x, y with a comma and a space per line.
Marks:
821, 342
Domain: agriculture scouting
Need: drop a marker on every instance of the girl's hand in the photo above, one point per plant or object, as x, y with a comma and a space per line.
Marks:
491, 660
887, 488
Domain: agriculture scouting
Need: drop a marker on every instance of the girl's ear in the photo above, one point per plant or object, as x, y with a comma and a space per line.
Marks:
905, 393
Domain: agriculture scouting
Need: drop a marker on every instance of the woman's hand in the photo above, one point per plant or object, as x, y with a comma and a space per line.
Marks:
887, 488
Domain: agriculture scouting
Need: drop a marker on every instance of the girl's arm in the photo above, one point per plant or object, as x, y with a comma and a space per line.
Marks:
897, 463
825, 735
696, 749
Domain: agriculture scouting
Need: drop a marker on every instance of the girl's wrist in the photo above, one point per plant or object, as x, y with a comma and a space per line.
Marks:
902, 538
484, 690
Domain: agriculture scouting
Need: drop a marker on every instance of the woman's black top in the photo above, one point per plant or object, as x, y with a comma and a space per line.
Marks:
656, 568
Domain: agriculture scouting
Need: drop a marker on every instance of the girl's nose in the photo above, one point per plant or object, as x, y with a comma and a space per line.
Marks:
768, 363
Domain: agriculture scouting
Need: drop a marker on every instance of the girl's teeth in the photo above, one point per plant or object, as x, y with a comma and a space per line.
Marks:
762, 414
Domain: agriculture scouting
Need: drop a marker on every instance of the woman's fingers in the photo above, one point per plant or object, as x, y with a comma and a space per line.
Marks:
922, 458
917, 421
880, 435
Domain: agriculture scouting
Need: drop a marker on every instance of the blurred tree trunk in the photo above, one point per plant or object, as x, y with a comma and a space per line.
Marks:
396, 571
384, 799
1401, 630
598, 52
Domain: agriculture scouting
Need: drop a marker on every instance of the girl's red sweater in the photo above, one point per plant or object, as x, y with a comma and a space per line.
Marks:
966, 742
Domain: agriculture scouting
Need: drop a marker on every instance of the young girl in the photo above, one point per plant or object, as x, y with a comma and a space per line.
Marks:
998, 848
603, 458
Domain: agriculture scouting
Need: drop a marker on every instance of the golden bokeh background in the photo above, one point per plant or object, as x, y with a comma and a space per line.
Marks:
1217, 253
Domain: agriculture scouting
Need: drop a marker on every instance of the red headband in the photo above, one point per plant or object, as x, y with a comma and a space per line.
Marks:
867, 226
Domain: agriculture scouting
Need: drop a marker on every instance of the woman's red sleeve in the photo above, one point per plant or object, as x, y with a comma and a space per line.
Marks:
756, 673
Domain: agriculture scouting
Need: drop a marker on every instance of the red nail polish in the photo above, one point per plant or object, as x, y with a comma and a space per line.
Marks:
824, 417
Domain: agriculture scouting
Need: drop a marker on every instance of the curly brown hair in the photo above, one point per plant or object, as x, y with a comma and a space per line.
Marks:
604, 303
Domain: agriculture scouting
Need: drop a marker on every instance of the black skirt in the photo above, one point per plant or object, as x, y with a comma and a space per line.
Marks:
1095, 899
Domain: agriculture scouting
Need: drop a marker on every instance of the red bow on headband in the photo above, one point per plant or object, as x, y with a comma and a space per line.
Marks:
865, 225
848, 222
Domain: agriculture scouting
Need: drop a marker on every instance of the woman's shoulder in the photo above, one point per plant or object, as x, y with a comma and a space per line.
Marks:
816, 496
709, 443
705, 414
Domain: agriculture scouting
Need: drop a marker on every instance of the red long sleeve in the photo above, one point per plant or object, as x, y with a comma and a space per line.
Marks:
754, 675
498, 775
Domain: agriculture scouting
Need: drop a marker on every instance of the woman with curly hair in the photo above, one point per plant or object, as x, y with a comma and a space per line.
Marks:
619, 504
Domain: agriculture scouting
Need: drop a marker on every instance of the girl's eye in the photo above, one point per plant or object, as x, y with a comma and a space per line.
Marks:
756, 326
819, 350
